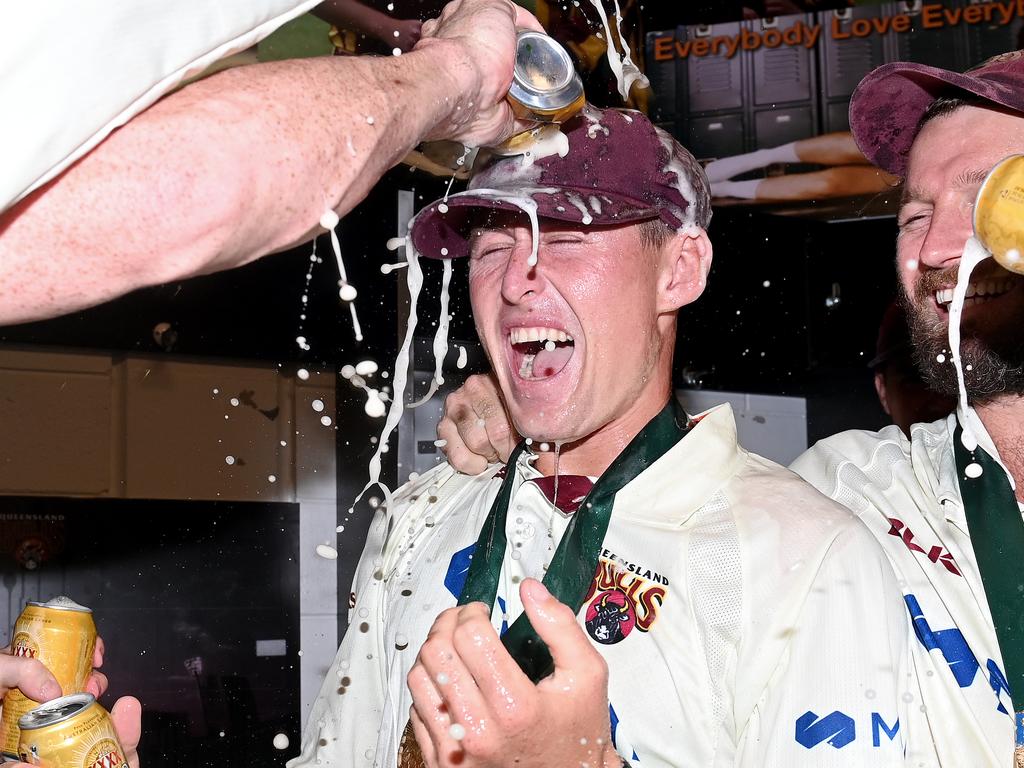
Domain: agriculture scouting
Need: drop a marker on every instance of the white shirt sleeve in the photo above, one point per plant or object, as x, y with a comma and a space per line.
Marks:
839, 692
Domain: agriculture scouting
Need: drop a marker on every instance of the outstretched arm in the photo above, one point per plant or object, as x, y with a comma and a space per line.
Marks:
245, 162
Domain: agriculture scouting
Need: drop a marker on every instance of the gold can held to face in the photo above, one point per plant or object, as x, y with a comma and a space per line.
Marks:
999, 213
545, 85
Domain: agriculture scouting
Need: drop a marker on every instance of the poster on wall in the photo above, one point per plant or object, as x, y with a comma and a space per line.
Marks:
764, 102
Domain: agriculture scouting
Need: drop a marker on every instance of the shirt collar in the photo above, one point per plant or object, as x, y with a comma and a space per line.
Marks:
679, 483
943, 458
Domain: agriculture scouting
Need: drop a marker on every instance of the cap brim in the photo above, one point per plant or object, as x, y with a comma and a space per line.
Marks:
888, 104
442, 229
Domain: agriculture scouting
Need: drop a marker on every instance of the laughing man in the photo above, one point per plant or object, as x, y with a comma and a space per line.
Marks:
700, 605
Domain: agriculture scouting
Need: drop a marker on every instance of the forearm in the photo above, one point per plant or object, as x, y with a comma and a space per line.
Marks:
220, 173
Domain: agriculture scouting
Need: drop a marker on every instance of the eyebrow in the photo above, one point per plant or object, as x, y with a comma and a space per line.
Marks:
969, 178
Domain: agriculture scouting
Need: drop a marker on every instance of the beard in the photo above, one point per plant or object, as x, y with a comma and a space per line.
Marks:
992, 358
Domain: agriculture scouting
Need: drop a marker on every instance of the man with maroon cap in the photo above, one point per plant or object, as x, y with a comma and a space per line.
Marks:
700, 605
955, 538
957, 541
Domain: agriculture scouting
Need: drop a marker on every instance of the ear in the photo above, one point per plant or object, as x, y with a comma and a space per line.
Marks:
686, 261
880, 389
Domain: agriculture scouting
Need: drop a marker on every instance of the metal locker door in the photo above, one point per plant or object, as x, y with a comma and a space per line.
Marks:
662, 75
987, 40
713, 82
716, 136
944, 46
773, 127
846, 60
783, 73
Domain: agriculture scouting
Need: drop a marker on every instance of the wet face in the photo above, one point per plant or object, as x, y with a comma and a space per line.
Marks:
948, 162
574, 341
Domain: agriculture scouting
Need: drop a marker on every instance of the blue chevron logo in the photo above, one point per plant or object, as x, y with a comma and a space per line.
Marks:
835, 728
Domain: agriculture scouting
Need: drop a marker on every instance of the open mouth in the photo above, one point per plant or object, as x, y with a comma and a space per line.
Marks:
978, 292
539, 353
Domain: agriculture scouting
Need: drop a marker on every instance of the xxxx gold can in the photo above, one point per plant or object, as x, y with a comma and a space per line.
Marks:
999, 213
70, 732
61, 634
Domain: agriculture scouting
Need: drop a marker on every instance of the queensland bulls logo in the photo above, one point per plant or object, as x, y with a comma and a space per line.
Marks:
622, 597
610, 617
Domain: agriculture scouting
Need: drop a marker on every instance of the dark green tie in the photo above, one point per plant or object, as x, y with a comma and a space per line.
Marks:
997, 535
573, 565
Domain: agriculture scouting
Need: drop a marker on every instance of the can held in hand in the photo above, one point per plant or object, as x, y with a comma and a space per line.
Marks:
545, 85
999, 213
70, 732
61, 634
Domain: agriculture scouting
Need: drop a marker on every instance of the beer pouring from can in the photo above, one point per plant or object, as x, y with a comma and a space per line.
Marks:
545, 86
999, 213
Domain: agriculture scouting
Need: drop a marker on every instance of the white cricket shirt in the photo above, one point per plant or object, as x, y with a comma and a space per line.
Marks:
906, 491
759, 624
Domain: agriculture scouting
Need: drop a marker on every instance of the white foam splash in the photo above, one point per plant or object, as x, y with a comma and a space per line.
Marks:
974, 253
463, 358
414, 279
546, 140
440, 336
329, 221
523, 202
626, 72
327, 552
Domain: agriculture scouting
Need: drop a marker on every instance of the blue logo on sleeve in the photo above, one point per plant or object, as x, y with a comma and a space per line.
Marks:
961, 659
835, 728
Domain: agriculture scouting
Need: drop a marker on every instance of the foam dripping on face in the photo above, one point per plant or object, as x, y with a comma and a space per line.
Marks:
626, 72
524, 203
347, 292
974, 253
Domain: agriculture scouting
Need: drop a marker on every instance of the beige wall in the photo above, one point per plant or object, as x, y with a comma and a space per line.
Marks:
74, 424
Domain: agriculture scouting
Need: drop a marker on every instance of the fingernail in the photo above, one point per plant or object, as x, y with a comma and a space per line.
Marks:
538, 591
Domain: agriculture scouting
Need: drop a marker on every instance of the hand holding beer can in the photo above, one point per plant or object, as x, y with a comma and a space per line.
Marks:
61, 634
70, 732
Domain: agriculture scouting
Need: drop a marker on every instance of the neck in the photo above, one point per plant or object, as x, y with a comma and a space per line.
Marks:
594, 454
1002, 418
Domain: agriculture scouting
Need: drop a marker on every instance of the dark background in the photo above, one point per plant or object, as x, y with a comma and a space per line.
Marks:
195, 580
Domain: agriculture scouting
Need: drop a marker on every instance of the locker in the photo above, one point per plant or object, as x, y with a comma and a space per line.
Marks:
944, 46
664, 85
714, 82
717, 135
845, 61
987, 40
773, 127
837, 116
784, 73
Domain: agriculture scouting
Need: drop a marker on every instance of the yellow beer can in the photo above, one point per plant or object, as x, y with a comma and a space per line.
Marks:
999, 213
70, 732
62, 635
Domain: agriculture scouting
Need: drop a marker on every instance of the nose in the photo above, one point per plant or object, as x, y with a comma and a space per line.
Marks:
950, 226
521, 282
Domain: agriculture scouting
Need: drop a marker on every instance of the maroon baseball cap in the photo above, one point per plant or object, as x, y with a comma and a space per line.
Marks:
887, 107
606, 167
